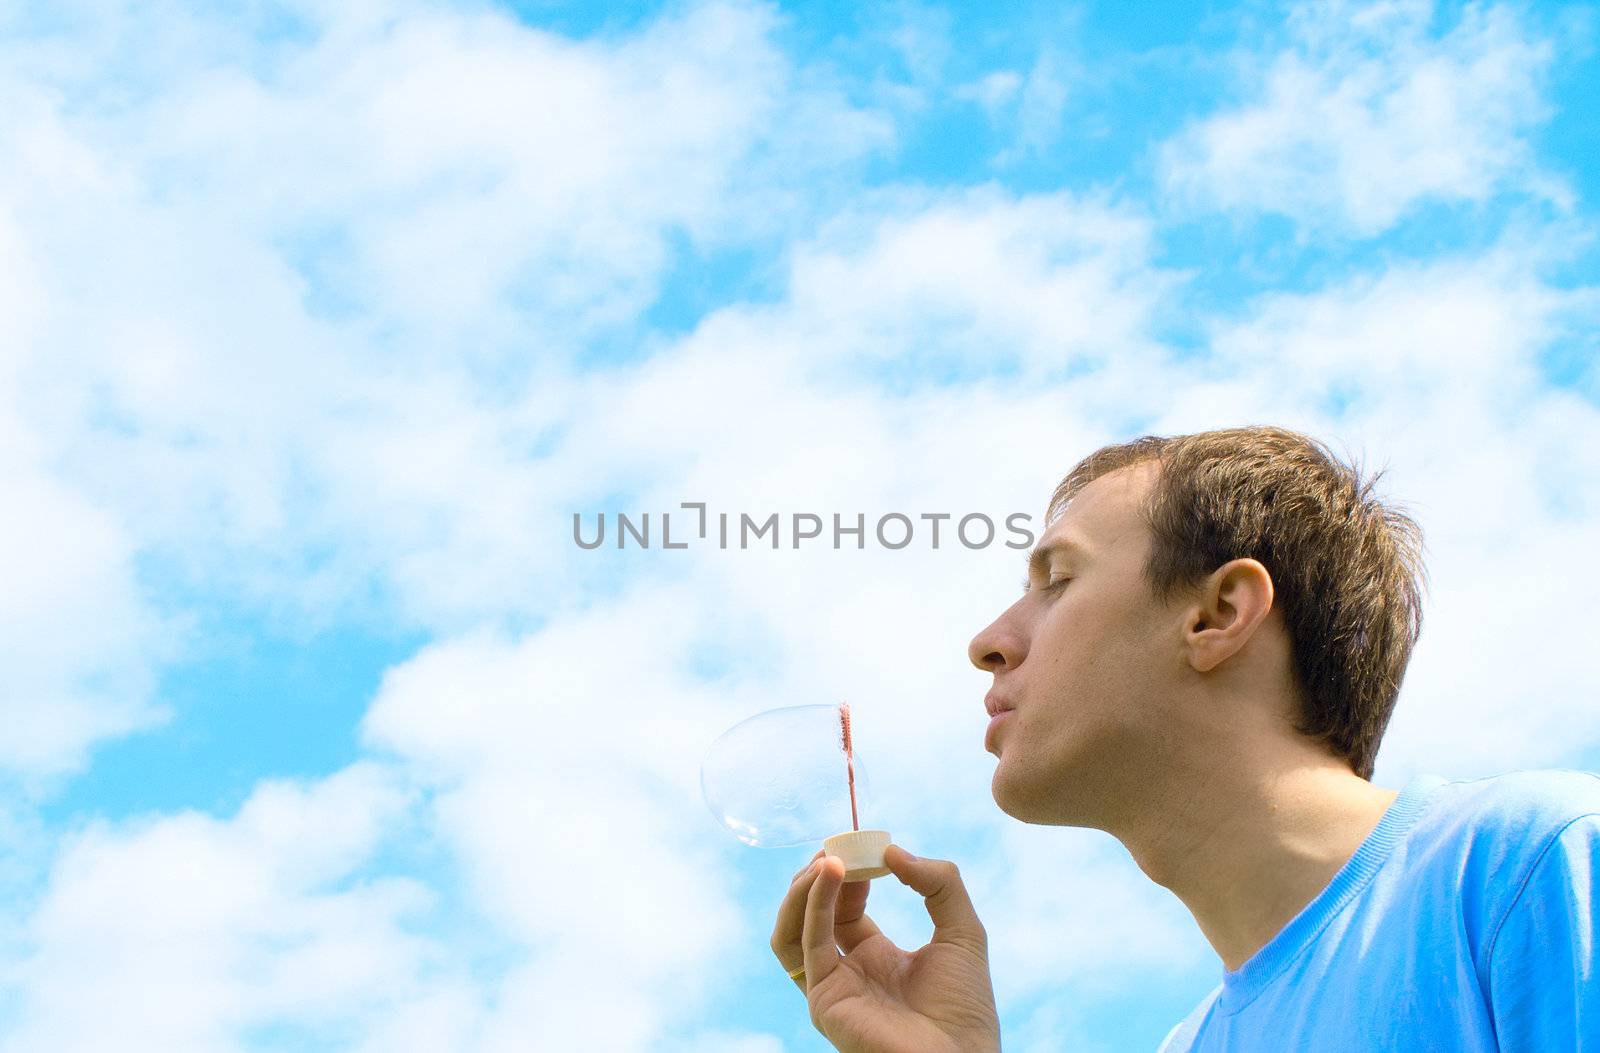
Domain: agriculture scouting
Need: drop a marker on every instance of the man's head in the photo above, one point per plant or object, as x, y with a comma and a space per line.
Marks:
1206, 598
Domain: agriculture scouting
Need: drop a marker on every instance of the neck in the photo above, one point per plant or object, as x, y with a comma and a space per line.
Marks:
1246, 848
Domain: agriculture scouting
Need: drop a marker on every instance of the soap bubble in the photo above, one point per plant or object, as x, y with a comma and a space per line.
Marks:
780, 778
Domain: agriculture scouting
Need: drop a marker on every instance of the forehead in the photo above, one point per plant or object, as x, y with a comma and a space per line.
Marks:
1104, 515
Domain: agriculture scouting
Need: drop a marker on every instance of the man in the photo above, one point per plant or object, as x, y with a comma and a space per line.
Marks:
1211, 641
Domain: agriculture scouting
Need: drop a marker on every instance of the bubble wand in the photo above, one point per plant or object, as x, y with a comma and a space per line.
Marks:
773, 780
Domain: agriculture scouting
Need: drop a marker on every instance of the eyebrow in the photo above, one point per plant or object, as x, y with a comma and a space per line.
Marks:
1039, 559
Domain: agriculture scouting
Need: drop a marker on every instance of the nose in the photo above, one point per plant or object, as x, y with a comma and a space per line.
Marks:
1000, 646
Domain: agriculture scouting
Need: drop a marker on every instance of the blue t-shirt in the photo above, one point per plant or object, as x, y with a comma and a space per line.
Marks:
1466, 921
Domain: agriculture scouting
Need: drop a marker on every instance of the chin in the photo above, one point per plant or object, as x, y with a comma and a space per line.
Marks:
1039, 801
1020, 800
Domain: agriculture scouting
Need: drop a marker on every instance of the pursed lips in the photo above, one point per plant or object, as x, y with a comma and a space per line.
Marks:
995, 705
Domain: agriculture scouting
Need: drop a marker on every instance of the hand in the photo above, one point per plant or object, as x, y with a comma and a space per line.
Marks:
875, 997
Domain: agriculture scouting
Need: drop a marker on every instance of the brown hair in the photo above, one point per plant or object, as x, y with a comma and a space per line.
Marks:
1347, 569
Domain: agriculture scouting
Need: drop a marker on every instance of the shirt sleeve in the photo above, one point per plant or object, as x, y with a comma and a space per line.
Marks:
1544, 988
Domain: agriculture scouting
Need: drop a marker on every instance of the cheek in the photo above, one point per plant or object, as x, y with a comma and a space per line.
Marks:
1067, 638
1086, 651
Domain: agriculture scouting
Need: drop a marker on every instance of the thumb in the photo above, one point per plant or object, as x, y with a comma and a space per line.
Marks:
939, 883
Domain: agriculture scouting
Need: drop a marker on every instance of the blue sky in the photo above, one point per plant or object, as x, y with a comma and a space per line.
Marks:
322, 321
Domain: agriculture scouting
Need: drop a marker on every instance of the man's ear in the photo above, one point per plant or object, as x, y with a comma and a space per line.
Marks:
1234, 599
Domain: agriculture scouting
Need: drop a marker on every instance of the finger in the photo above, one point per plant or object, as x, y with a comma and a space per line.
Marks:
851, 926
803, 871
939, 883
817, 938
786, 932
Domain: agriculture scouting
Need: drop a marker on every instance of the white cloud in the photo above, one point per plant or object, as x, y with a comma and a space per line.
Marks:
246, 267
993, 91
1367, 115
78, 642
1027, 108
1040, 106
564, 779
186, 932
981, 282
